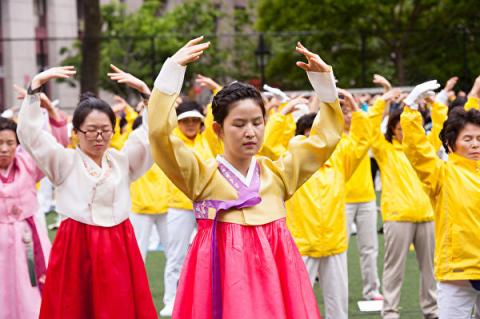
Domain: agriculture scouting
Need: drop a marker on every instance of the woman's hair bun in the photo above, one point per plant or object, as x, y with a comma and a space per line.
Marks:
87, 95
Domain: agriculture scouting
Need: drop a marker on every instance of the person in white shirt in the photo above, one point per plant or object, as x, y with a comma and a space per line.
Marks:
95, 268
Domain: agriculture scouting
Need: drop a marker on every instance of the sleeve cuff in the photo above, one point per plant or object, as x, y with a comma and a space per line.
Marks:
442, 97
58, 123
170, 78
324, 85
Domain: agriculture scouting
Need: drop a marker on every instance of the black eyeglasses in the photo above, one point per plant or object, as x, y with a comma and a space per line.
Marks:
93, 134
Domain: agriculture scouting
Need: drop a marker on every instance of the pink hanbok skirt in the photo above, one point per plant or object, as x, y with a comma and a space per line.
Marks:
262, 274
18, 298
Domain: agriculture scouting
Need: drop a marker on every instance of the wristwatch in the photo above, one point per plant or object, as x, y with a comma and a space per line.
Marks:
145, 96
32, 92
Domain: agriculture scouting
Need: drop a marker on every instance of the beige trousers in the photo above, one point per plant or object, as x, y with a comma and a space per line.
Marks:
365, 217
398, 237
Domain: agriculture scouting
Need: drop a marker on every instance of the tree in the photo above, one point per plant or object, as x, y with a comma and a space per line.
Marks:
407, 40
89, 72
139, 42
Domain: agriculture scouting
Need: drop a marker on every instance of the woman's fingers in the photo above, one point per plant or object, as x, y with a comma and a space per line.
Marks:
116, 69
194, 41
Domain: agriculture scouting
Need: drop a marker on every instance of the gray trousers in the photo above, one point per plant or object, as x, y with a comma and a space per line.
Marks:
332, 272
365, 217
398, 237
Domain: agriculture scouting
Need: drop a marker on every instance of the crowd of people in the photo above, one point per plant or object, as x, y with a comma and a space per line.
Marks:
253, 198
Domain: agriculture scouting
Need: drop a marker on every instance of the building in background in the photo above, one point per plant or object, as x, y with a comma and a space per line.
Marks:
33, 32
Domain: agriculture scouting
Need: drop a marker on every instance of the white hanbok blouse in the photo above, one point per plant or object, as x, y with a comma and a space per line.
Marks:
86, 192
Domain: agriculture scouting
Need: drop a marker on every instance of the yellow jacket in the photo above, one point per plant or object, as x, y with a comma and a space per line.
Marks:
360, 186
279, 130
403, 197
316, 212
454, 188
177, 199
119, 138
149, 193
472, 103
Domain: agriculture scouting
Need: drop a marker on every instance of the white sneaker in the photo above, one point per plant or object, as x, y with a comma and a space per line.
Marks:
167, 311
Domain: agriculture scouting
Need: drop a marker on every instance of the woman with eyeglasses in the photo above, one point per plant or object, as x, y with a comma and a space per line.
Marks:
95, 268
24, 243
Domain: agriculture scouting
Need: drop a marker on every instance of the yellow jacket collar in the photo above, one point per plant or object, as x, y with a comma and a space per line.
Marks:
184, 138
397, 145
464, 162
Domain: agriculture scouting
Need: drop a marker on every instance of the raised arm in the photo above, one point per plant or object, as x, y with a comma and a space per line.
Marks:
420, 152
375, 116
137, 146
473, 101
52, 158
439, 112
180, 163
209, 139
356, 147
56, 120
306, 155
274, 143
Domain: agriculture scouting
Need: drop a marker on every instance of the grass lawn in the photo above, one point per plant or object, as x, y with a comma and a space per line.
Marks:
409, 300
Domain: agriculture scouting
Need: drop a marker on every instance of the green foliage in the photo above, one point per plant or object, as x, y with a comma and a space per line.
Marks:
408, 40
141, 41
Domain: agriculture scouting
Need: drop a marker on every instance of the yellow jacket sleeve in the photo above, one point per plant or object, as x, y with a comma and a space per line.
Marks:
358, 144
273, 144
119, 138
211, 140
306, 155
420, 152
375, 114
439, 116
472, 103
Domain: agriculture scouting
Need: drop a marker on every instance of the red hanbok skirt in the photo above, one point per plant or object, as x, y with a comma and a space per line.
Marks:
262, 274
96, 273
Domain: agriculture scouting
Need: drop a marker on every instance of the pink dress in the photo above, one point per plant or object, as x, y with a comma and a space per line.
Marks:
18, 207
258, 267
21, 231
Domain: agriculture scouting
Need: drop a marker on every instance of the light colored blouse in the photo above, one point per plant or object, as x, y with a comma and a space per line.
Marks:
200, 179
86, 192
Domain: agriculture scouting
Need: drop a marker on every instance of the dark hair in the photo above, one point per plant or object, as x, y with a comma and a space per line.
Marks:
304, 123
188, 106
231, 94
393, 120
10, 125
458, 102
88, 103
456, 121
137, 122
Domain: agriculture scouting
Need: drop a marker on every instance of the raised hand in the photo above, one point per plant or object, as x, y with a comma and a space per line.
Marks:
382, 81
391, 94
126, 78
451, 84
60, 72
293, 104
208, 83
419, 92
44, 100
349, 100
21, 92
119, 105
190, 52
315, 63
475, 91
